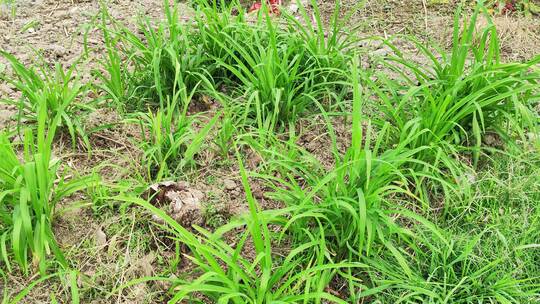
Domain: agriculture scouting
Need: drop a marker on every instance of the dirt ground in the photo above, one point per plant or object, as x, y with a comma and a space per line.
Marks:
56, 30
110, 252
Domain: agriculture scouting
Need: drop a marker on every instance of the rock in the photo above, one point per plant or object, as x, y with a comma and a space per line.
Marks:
381, 52
229, 184
293, 8
158, 191
57, 51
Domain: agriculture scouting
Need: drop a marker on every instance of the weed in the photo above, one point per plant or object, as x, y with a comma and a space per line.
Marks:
224, 138
143, 71
277, 74
29, 192
61, 91
169, 141
456, 99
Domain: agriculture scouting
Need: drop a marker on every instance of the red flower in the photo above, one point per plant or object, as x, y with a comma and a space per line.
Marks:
273, 5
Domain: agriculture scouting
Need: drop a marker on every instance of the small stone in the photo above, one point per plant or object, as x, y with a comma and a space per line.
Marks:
293, 8
158, 219
57, 50
381, 52
229, 184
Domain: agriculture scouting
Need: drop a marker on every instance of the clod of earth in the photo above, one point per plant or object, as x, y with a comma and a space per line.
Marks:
182, 202
229, 184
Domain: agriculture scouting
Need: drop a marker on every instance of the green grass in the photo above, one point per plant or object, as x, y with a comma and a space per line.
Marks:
406, 200
276, 74
169, 140
30, 190
60, 89
349, 199
485, 251
458, 97
155, 61
283, 73
227, 276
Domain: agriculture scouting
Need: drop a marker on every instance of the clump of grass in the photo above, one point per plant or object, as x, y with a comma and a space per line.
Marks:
329, 44
143, 70
169, 139
171, 143
225, 135
349, 204
29, 192
278, 74
457, 98
59, 89
275, 73
503, 208
69, 276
